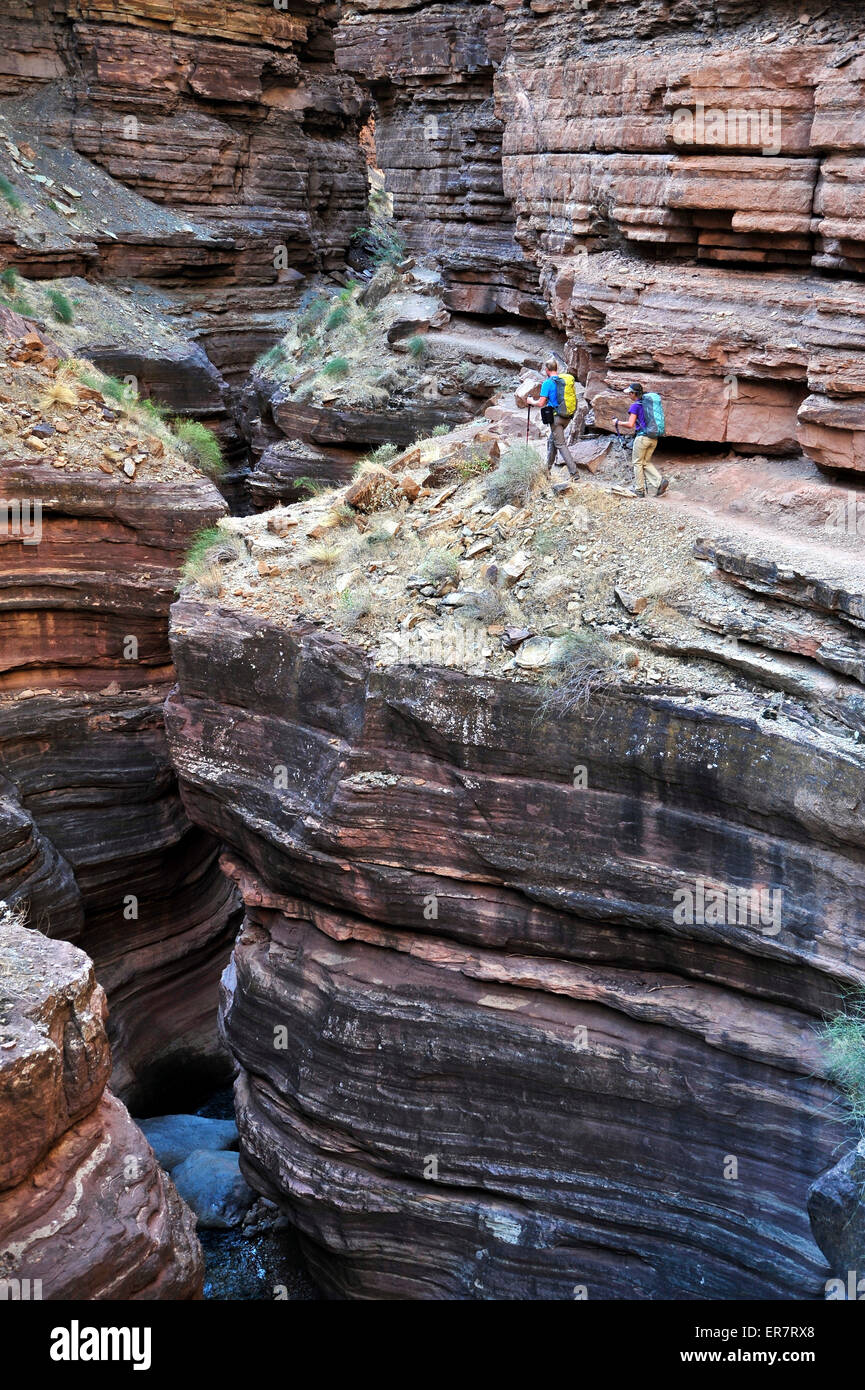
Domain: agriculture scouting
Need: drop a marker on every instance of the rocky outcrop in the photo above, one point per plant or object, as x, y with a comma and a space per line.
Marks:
477, 1026
93, 838
835, 1209
85, 1210
439, 140
244, 122
684, 189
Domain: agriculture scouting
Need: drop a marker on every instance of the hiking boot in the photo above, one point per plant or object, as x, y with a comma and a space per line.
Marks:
662, 487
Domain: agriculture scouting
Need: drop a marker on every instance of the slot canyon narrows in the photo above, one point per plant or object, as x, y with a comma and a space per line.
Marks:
432, 652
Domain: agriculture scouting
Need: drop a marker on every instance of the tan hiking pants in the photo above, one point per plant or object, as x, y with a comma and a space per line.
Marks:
644, 470
556, 444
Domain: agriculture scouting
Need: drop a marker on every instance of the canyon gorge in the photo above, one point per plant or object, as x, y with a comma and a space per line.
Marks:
498, 837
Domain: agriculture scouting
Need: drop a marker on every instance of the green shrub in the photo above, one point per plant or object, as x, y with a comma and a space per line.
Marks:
60, 306
200, 445
441, 429
336, 367
8, 192
844, 1039
153, 410
311, 486
274, 357
204, 548
552, 542
355, 604
418, 346
472, 462
336, 318
9, 278
379, 456
515, 476
312, 314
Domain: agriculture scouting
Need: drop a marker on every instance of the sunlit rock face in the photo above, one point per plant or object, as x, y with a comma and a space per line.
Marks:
493, 1041
685, 184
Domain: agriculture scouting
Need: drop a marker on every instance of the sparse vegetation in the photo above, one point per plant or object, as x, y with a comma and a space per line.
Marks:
7, 192
439, 565
354, 605
9, 279
312, 314
515, 477
274, 357
487, 606
418, 346
336, 368
325, 554
553, 542
60, 306
59, 392
342, 515
472, 462
200, 446
382, 454
844, 1039
575, 679
383, 245
336, 318
311, 487
210, 548
441, 429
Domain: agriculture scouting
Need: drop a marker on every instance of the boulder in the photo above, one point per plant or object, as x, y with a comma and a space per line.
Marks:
212, 1185
837, 1212
174, 1137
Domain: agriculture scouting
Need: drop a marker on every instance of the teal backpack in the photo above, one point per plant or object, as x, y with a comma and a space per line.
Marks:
654, 412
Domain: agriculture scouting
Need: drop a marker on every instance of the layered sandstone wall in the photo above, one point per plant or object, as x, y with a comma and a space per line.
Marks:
236, 117
85, 1210
94, 843
439, 140
481, 1055
684, 182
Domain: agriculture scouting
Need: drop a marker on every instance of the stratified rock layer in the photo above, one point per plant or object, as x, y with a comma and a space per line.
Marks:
94, 843
242, 119
684, 182
85, 1210
481, 1054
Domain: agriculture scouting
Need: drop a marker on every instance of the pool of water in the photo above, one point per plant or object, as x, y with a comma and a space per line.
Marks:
251, 1265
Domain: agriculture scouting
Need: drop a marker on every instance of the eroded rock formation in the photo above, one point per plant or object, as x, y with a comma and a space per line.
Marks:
480, 1055
85, 1210
93, 838
241, 119
685, 183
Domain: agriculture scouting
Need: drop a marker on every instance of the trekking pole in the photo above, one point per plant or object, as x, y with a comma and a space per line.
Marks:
528, 418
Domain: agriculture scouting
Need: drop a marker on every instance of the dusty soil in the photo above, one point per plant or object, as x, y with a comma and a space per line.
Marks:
49, 414
426, 580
